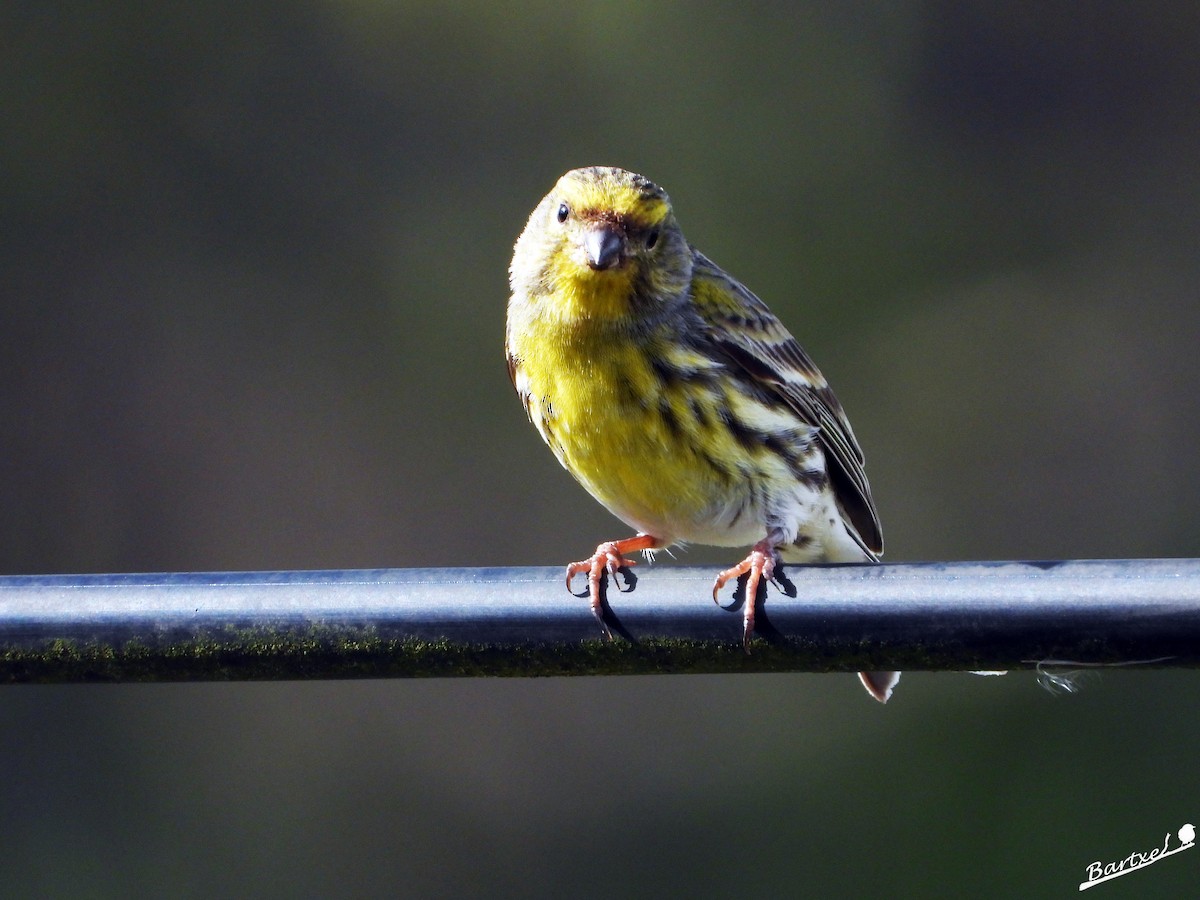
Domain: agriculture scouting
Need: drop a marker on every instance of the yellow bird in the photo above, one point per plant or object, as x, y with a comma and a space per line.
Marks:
675, 396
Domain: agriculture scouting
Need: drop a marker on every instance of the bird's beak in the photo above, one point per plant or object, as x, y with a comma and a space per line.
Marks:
603, 244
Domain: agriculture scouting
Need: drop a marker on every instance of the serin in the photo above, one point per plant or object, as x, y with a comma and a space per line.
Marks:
676, 397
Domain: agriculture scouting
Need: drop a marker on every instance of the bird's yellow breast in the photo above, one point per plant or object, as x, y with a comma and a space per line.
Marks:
644, 447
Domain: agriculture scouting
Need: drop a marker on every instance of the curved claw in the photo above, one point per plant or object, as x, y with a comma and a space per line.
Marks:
758, 565
607, 558
610, 559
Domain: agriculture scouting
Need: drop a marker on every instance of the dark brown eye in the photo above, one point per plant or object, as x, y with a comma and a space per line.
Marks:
652, 239
563, 212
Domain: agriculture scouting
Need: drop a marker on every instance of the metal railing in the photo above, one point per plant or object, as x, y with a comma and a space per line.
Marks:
523, 622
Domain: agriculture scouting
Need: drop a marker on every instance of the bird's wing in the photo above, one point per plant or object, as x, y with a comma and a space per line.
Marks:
748, 334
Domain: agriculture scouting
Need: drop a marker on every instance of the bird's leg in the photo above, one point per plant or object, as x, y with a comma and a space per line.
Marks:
609, 557
758, 565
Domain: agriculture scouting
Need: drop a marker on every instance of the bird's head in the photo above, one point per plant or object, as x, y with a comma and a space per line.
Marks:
603, 244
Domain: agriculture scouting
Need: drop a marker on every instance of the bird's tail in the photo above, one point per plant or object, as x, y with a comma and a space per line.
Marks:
879, 684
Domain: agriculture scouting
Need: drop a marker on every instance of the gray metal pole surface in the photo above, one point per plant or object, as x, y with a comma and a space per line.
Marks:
522, 621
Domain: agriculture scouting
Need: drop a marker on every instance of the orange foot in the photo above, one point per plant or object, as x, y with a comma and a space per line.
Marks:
759, 564
609, 557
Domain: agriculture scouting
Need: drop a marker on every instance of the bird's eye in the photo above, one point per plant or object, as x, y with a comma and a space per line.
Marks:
652, 239
563, 212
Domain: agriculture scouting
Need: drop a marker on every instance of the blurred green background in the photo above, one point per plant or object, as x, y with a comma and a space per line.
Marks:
253, 285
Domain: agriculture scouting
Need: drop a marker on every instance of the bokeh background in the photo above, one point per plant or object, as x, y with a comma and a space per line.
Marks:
252, 291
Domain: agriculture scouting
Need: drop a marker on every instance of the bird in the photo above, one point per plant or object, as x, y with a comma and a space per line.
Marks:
676, 398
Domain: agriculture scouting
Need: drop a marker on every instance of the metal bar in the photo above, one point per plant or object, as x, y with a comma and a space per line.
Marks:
521, 621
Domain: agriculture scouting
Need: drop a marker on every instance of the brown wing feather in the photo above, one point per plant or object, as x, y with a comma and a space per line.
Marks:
752, 337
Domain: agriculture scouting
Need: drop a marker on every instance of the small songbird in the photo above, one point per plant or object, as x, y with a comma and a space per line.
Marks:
676, 397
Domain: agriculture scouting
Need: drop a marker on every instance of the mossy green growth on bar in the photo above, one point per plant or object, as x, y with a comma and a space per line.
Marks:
327, 652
